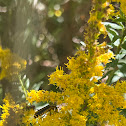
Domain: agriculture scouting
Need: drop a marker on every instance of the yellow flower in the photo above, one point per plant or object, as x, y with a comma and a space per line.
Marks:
58, 13
92, 90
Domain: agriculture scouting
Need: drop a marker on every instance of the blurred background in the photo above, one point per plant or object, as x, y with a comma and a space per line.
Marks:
44, 33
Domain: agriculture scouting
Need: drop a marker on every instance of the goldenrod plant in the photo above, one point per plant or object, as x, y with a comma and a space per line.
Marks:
83, 99
11, 64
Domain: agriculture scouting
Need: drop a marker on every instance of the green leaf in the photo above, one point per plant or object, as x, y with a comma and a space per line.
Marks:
37, 86
27, 83
115, 40
112, 33
120, 56
122, 61
119, 73
115, 79
112, 25
116, 43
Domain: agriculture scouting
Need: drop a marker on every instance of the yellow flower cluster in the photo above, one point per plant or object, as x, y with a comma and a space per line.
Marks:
11, 64
81, 95
100, 12
10, 112
105, 102
85, 100
123, 5
14, 114
28, 117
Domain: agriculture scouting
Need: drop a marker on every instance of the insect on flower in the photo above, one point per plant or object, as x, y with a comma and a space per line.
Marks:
44, 110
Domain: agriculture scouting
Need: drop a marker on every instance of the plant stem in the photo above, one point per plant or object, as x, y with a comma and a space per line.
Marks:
22, 85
